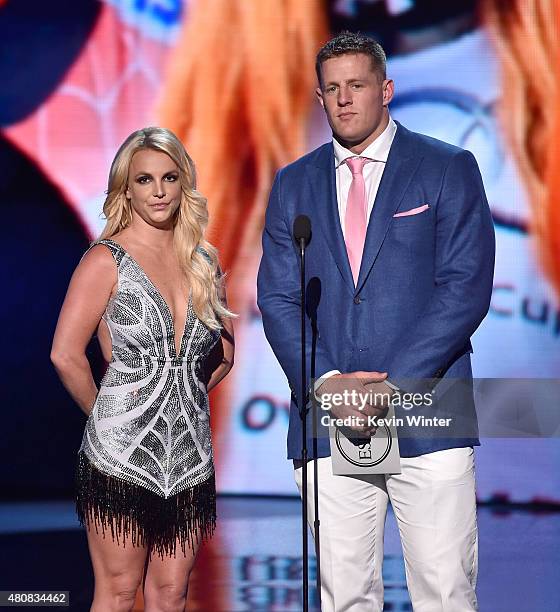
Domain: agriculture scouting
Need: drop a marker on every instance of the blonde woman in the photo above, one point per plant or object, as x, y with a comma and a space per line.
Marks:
525, 34
152, 288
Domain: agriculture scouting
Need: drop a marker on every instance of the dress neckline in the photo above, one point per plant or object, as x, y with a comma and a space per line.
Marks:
173, 344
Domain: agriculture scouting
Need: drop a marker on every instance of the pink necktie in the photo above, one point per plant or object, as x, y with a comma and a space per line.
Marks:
355, 224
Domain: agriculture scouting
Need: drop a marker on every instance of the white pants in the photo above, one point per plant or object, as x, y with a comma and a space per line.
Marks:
434, 503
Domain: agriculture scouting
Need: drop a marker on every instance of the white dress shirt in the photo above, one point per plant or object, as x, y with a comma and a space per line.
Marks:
378, 151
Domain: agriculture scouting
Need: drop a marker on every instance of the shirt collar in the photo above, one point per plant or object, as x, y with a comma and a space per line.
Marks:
378, 150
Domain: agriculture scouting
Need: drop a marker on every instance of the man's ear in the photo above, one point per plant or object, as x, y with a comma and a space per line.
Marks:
319, 95
388, 91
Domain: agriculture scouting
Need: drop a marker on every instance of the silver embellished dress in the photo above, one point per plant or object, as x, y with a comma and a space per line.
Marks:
145, 465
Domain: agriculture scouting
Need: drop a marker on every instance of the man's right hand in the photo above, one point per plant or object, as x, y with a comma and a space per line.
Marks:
353, 388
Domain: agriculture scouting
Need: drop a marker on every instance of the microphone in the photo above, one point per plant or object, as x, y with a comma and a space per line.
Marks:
302, 230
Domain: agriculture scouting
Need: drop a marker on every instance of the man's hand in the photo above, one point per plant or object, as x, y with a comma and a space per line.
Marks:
360, 395
381, 395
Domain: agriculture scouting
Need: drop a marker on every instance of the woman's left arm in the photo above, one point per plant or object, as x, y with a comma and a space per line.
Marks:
226, 353
226, 363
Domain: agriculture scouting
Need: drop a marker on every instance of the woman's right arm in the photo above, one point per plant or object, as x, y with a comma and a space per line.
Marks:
89, 292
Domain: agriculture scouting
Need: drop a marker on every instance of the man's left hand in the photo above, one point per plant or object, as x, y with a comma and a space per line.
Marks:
381, 395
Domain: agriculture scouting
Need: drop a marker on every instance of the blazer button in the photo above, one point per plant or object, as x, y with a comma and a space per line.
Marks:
357, 299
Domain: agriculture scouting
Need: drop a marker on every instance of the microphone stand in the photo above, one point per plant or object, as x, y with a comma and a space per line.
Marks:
316, 522
302, 235
303, 415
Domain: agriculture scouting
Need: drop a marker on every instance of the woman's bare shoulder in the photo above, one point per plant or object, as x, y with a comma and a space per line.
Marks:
98, 263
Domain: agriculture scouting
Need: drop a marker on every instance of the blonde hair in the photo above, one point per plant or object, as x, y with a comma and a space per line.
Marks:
238, 92
199, 257
525, 35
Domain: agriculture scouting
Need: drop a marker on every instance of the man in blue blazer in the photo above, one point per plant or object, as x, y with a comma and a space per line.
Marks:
399, 274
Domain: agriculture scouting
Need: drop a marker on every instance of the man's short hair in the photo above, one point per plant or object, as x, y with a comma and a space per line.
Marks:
347, 43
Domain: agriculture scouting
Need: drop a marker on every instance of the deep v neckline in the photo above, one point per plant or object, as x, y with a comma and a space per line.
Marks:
173, 343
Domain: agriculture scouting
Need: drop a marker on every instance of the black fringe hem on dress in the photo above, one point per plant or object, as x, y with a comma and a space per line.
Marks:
131, 511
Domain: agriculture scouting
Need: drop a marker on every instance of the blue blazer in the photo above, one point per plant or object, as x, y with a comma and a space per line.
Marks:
424, 284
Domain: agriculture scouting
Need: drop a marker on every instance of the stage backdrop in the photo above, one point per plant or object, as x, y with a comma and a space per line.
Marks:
83, 77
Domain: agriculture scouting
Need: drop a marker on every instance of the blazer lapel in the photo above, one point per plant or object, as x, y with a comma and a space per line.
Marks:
399, 169
321, 175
